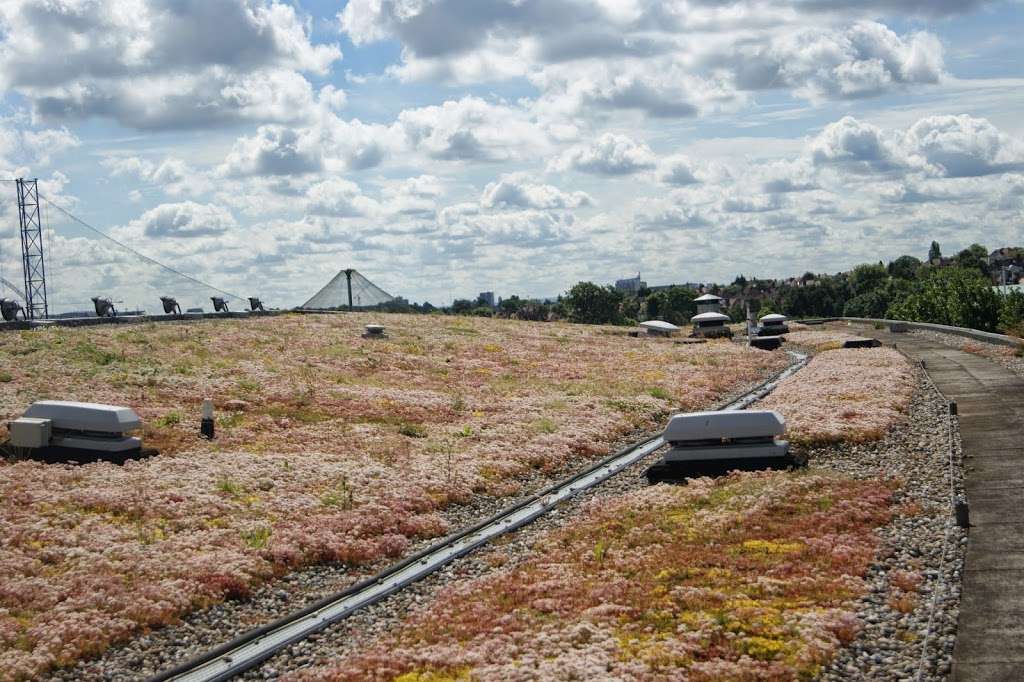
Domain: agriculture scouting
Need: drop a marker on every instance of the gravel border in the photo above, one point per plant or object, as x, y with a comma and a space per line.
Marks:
158, 649
891, 646
1001, 354
917, 645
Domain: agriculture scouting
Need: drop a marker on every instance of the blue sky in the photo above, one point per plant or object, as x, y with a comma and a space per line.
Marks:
445, 147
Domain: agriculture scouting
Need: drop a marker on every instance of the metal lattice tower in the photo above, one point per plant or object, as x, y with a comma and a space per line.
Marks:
32, 249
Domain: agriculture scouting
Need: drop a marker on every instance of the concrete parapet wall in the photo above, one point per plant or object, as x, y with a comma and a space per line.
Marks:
987, 337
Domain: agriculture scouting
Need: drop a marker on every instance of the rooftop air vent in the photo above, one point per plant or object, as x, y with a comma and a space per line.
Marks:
374, 331
713, 443
773, 325
58, 430
711, 325
659, 328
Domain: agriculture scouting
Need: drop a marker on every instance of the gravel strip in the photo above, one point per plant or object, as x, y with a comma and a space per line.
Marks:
1004, 355
892, 644
159, 649
918, 644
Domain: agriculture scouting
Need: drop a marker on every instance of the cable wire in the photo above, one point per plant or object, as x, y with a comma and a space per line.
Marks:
144, 257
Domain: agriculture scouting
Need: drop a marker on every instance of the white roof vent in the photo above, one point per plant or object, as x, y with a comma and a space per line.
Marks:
75, 416
714, 443
710, 317
659, 327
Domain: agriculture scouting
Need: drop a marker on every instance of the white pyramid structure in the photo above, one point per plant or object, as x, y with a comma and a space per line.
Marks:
348, 287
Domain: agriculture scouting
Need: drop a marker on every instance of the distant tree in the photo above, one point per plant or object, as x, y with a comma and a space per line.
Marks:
808, 277
867, 277
674, 305
974, 257
740, 281
462, 306
905, 267
536, 311
589, 303
934, 251
510, 306
872, 303
954, 296
1011, 313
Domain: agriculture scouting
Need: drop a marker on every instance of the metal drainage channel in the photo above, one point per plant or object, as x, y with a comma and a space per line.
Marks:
251, 648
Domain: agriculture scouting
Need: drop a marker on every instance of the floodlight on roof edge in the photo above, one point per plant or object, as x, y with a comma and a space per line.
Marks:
10, 308
256, 304
219, 304
104, 307
170, 304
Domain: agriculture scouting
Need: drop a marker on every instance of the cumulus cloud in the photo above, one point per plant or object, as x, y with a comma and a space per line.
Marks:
861, 60
170, 174
526, 229
858, 147
671, 218
471, 129
339, 198
677, 170
182, 220
413, 196
963, 146
162, 63
610, 154
515, 190
275, 150
948, 146
22, 148
663, 58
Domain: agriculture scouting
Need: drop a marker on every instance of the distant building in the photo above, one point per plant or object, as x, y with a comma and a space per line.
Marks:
486, 298
631, 285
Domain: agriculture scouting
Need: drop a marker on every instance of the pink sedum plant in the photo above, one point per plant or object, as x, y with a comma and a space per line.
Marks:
845, 395
330, 448
750, 576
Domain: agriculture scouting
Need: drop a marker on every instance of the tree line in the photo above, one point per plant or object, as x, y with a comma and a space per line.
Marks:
957, 291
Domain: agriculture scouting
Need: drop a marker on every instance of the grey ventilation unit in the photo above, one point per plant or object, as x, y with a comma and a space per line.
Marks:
58, 430
714, 443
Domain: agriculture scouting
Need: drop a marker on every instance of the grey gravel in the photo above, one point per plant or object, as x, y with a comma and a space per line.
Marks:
917, 645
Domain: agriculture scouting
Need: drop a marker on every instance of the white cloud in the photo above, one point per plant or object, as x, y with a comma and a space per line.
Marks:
677, 170
180, 220
339, 198
275, 150
517, 191
471, 129
172, 175
861, 60
610, 154
960, 146
161, 63
663, 58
